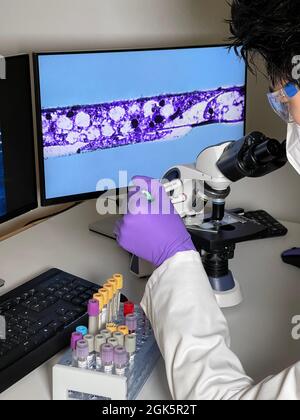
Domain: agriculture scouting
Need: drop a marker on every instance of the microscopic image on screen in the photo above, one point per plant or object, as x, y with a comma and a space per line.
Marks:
135, 111
2, 182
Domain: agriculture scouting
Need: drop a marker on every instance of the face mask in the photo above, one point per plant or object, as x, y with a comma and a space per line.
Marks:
293, 146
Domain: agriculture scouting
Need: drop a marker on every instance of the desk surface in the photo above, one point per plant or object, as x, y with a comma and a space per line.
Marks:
260, 328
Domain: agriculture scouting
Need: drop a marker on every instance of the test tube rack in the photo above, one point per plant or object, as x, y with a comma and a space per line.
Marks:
72, 383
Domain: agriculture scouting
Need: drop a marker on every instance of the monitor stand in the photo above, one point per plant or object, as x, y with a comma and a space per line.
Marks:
105, 226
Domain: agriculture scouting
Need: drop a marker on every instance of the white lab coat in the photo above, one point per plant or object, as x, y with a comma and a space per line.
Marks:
194, 340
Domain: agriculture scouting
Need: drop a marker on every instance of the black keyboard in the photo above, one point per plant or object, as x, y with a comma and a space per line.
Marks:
274, 228
40, 318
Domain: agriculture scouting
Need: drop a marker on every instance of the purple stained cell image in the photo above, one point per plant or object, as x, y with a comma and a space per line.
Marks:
85, 128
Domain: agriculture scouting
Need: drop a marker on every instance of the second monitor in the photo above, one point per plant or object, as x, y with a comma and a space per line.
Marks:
18, 193
138, 111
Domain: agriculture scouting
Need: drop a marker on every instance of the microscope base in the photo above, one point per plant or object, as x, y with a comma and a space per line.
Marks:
230, 298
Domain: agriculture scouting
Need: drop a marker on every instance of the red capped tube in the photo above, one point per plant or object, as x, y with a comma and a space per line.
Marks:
128, 308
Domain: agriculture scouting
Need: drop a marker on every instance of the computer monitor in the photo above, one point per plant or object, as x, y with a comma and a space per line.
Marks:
18, 192
139, 111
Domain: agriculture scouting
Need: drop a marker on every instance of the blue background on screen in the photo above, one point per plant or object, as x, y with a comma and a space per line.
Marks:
2, 181
94, 78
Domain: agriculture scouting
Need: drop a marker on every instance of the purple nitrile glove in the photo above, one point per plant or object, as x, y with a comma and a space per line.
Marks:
152, 230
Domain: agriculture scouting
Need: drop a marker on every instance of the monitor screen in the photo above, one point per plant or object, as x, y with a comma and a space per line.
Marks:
18, 192
113, 115
2, 181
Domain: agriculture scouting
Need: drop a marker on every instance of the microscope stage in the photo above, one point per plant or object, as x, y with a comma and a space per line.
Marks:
211, 236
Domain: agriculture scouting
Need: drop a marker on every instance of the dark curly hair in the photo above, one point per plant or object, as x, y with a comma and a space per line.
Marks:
270, 28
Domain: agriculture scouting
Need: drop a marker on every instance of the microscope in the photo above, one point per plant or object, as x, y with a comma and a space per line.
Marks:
199, 192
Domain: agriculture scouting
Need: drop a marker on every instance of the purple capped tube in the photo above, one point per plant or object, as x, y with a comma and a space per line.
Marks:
107, 357
82, 353
131, 323
76, 336
120, 360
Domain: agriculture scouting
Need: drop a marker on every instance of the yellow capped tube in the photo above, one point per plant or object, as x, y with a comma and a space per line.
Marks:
114, 284
110, 290
104, 293
111, 327
99, 297
120, 283
123, 329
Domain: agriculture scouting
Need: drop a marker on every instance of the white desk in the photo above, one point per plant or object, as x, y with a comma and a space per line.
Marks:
260, 328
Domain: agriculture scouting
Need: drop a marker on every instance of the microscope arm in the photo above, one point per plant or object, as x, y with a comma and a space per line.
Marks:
189, 185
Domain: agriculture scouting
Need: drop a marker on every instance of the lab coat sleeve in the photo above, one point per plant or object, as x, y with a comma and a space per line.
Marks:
193, 338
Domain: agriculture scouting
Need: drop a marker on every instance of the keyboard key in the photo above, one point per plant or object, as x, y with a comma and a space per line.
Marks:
50, 290
55, 325
61, 311
77, 301
39, 338
48, 332
64, 320
41, 295
67, 289
56, 286
80, 310
29, 345
86, 296
81, 289
71, 315
52, 299
40, 324
37, 307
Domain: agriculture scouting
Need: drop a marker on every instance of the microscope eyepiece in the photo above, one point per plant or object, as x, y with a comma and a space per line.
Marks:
253, 156
268, 151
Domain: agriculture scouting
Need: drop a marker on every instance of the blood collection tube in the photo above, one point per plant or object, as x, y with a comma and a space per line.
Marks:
114, 283
91, 343
107, 334
76, 336
112, 327
120, 360
82, 330
128, 308
82, 353
93, 312
123, 329
107, 357
99, 341
105, 296
120, 283
109, 288
113, 341
131, 323
119, 337
130, 346
99, 297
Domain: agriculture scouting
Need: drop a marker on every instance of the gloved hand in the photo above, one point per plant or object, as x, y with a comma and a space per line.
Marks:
153, 230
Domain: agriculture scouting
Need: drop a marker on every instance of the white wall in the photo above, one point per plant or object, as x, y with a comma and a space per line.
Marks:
35, 25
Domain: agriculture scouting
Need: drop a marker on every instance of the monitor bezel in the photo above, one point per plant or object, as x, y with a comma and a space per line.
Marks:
34, 204
38, 110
